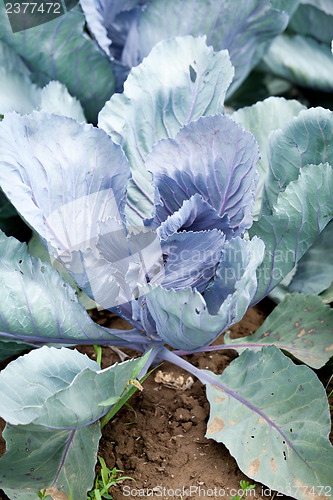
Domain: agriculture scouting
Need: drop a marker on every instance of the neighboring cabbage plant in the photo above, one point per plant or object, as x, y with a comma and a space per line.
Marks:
153, 219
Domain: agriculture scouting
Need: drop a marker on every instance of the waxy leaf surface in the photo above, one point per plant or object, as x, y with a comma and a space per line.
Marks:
261, 119
52, 410
300, 324
273, 416
60, 50
300, 214
243, 31
185, 320
156, 103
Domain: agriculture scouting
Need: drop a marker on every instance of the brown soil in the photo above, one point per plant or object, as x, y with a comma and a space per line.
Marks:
160, 442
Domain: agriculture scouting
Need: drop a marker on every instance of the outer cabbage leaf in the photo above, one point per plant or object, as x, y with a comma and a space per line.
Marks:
313, 21
184, 319
260, 119
51, 407
244, 31
40, 153
325, 5
214, 157
154, 107
56, 99
274, 418
41, 466
37, 250
286, 5
38, 305
60, 50
301, 325
301, 60
301, 212
17, 92
304, 140
314, 272
8, 349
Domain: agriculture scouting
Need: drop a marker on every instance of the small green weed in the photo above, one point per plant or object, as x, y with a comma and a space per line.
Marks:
43, 495
246, 486
104, 481
330, 394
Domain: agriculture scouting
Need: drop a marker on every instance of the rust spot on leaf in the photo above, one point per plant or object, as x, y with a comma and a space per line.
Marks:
218, 400
261, 420
329, 348
216, 425
301, 333
56, 494
218, 388
273, 466
254, 467
233, 422
297, 324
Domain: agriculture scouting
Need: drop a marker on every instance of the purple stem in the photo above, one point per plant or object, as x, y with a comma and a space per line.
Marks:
69, 442
206, 378
234, 347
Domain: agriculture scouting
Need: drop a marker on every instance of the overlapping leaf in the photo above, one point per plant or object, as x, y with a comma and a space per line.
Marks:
214, 157
301, 60
314, 20
314, 272
60, 50
37, 304
261, 119
18, 92
273, 416
183, 318
100, 15
152, 107
301, 212
244, 31
304, 140
63, 177
301, 325
52, 409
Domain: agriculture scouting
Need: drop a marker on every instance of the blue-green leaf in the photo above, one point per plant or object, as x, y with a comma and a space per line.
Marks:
37, 304
301, 60
51, 399
301, 212
313, 21
60, 50
314, 272
305, 139
261, 119
36, 179
244, 31
301, 325
274, 418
